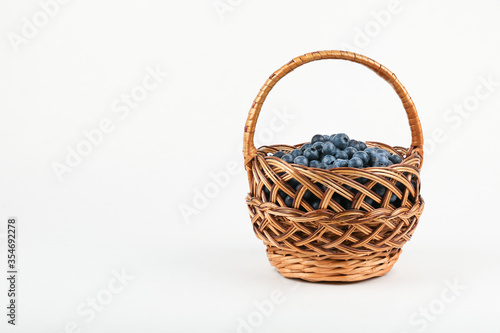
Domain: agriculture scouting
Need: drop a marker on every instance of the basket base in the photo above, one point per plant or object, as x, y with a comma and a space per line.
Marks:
317, 268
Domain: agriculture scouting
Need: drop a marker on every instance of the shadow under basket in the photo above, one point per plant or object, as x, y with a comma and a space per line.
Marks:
345, 224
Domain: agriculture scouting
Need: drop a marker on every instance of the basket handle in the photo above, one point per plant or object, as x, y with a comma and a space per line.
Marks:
249, 150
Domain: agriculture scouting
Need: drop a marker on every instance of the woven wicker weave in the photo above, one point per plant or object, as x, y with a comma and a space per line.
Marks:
333, 243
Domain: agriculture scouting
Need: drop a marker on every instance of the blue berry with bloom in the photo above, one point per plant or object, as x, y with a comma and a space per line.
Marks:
396, 159
328, 159
354, 143
317, 138
306, 146
363, 156
311, 154
318, 146
381, 160
301, 160
350, 151
355, 162
340, 163
341, 155
279, 154
341, 140
314, 164
287, 158
296, 152
329, 148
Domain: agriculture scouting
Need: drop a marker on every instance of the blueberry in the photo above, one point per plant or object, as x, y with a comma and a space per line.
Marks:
317, 138
362, 145
361, 180
393, 198
383, 151
326, 137
305, 146
332, 136
371, 151
372, 160
301, 160
369, 201
289, 201
374, 153
296, 152
314, 164
355, 163
287, 158
341, 140
380, 160
329, 148
279, 154
355, 144
292, 182
318, 146
342, 155
307, 195
328, 159
379, 189
311, 154
363, 156
322, 165
350, 151
315, 204
330, 166
396, 159
340, 163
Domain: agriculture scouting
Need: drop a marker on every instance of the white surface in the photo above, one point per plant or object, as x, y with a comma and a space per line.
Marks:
120, 208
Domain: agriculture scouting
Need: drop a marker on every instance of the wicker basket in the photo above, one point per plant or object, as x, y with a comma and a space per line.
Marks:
333, 243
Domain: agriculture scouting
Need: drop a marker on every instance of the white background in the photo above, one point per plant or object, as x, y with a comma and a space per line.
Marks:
119, 210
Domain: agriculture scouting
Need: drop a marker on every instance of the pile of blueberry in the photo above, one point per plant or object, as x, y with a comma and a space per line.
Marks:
338, 151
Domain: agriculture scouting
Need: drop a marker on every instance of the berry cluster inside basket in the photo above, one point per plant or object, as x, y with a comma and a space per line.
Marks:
334, 209
332, 152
